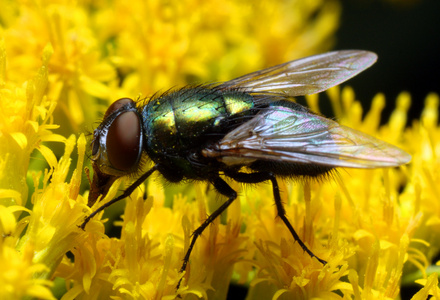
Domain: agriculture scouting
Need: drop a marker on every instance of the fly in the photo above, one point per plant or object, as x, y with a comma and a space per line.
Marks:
205, 131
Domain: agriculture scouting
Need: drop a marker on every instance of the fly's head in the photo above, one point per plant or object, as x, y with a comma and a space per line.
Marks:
116, 146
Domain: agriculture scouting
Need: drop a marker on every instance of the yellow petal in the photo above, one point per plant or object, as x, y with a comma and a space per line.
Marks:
20, 138
40, 292
11, 195
7, 220
53, 138
48, 155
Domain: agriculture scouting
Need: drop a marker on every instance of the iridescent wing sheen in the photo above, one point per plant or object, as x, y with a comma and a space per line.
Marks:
281, 133
305, 76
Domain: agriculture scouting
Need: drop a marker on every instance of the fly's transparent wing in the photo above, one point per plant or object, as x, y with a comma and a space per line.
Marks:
305, 76
280, 133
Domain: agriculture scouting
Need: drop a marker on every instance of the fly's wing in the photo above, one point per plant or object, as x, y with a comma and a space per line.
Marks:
305, 76
280, 133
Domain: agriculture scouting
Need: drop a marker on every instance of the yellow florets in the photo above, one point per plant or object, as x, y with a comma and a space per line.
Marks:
63, 62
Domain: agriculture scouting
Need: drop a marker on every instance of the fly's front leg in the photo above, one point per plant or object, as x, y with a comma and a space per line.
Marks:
125, 194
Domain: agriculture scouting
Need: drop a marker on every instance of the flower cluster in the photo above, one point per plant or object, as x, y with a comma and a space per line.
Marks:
63, 62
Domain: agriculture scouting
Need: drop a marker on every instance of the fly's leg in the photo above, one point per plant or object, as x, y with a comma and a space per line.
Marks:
223, 188
263, 176
125, 194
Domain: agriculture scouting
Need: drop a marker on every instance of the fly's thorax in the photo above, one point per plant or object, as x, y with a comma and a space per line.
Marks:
177, 123
237, 102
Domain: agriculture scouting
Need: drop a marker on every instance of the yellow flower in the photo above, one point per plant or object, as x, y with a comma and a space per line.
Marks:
29, 258
157, 45
78, 73
17, 276
62, 62
25, 122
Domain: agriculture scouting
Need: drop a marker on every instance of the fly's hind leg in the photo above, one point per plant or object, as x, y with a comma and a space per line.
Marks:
265, 176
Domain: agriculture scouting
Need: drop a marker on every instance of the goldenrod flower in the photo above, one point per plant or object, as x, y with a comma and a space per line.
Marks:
78, 73
157, 45
62, 62
29, 259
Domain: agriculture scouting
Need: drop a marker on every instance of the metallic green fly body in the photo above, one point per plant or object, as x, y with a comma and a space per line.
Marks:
209, 131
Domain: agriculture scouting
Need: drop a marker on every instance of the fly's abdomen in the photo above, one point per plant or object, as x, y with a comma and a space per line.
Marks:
180, 121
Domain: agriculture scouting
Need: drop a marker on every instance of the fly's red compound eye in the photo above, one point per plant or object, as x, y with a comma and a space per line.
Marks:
117, 105
124, 141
